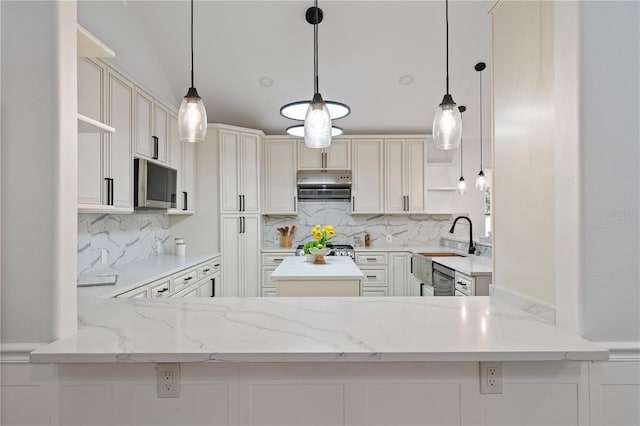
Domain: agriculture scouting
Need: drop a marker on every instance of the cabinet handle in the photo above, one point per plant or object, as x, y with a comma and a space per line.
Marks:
242, 203
206, 270
371, 259
162, 290
353, 202
188, 278
411, 265
371, 276
108, 183
239, 203
242, 224
185, 197
421, 289
213, 287
295, 204
277, 260
155, 147
324, 160
461, 283
111, 191
216, 265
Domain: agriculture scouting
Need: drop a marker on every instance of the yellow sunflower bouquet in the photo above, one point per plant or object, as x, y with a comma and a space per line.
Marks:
322, 235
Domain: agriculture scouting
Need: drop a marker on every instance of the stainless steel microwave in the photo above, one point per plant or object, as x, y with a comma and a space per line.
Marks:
154, 185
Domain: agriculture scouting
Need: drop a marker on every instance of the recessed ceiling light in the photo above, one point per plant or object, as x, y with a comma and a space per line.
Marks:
266, 81
406, 79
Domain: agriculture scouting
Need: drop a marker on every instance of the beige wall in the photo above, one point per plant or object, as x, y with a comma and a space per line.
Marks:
523, 151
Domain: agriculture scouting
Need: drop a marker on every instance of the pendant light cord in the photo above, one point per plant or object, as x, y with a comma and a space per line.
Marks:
315, 51
447, 27
192, 85
480, 121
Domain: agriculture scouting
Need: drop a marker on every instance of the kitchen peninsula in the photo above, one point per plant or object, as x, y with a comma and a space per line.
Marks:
339, 276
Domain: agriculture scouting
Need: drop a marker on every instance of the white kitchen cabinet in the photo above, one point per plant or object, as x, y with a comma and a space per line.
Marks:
336, 157
187, 172
270, 261
151, 127
239, 170
121, 95
104, 159
241, 256
405, 173
399, 273
280, 189
374, 266
367, 175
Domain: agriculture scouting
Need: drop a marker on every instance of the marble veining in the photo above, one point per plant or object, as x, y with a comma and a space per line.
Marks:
538, 308
126, 238
354, 329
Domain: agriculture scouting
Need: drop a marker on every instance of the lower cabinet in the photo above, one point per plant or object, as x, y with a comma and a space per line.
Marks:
374, 266
399, 273
241, 247
270, 261
199, 280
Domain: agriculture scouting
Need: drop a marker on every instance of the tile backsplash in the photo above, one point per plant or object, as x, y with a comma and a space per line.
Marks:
404, 230
126, 238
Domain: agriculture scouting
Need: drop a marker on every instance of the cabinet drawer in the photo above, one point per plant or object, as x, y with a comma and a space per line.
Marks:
371, 259
275, 259
136, 293
464, 284
184, 279
160, 288
375, 277
374, 291
206, 269
269, 292
266, 277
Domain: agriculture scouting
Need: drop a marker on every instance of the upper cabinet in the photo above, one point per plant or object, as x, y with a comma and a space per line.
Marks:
404, 166
240, 153
151, 127
336, 157
367, 175
280, 189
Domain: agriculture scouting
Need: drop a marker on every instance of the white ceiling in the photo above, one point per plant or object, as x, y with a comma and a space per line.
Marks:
364, 49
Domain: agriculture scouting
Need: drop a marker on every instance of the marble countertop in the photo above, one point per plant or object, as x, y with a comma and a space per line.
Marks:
136, 274
358, 329
335, 268
472, 265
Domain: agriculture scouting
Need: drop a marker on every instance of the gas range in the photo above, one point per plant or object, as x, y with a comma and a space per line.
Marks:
336, 250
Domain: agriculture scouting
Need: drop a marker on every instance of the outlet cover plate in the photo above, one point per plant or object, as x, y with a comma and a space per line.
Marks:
168, 381
490, 377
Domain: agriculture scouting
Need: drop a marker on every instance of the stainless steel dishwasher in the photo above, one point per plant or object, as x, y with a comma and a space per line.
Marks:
443, 280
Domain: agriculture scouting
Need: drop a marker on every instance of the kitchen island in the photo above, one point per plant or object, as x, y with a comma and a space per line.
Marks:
338, 277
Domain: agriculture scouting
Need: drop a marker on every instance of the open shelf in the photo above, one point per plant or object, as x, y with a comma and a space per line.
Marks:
89, 125
443, 188
91, 47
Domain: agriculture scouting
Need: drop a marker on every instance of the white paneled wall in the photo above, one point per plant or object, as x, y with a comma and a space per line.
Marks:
535, 393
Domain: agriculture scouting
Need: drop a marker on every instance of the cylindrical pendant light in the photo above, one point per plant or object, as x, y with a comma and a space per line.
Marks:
317, 114
192, 115
447, 123
481, 180
462, 185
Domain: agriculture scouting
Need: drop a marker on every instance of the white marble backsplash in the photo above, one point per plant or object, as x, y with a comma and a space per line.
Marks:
126, 238
482, 248
404, 230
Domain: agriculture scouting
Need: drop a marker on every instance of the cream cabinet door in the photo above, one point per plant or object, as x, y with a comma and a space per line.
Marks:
188, 177
339, 155
120, 116
394, 176
250, 167
415, 175
144, 122
230, 191
280, 187
230, 229
400, 273
309, 158
367, 171
160, 131
250, 257
92, 149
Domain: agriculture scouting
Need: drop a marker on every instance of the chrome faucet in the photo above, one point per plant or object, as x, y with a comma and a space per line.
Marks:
472, 247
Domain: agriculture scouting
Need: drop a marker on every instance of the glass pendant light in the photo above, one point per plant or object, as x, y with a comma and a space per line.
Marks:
447, 123
462, 185
317, 114
192, 116
481, 180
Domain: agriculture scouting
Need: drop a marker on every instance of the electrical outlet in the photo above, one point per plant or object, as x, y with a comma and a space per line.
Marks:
168, 380
104, 256
389, 238
490, 377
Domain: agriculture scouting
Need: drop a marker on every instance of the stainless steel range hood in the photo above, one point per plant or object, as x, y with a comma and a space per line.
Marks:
324, 185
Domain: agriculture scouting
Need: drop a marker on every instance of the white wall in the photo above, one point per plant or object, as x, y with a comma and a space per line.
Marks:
523, 148
39, 163
114, 23
610, 163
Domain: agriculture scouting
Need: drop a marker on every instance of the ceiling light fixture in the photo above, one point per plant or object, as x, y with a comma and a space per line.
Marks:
447, 123
317, 113
192, 116
462, 185
481, 180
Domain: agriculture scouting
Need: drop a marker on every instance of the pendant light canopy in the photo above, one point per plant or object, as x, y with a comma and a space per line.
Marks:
447, 123
481, 180
317, 113
462, 185
192, 116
